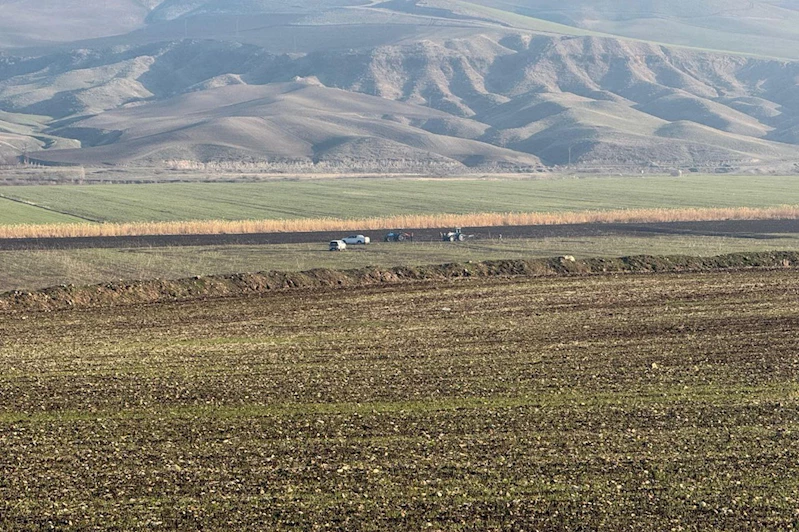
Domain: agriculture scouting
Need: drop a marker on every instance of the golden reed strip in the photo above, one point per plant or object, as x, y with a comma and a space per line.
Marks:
420, 221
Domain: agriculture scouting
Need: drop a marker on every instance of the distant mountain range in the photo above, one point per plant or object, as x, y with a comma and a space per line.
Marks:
427, 85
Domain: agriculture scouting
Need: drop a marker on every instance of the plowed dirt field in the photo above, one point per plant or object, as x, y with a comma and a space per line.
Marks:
615, 402
755, 229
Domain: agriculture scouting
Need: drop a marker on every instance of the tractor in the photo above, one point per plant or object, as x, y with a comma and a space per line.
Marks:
397, 236
453, 236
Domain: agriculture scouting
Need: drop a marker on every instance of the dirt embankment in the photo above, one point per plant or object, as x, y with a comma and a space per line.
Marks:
158, 290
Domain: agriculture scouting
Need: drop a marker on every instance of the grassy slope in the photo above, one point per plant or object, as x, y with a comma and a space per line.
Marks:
702, 38
355, 198
47, 21
29, 270
517, 20
770, 32
644, 402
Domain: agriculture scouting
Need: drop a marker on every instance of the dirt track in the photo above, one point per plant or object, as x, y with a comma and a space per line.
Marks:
758, 229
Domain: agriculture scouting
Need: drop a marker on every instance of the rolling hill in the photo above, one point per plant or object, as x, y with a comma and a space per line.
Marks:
297, 122
763, 27
485, 83
40, 22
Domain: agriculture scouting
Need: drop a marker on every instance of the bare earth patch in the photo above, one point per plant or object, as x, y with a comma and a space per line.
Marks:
633, 402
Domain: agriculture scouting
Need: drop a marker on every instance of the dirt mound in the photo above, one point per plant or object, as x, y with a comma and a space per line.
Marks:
159, 290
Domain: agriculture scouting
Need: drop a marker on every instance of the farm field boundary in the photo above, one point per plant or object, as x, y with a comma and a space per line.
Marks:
419, 221
236, 285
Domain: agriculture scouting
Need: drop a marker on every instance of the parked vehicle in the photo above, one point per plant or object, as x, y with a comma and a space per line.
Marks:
338, 245
356, 239
397, 236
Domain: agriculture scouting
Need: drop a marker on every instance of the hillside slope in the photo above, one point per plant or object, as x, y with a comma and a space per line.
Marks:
450, 83
38, 22
296, 122
763, 27
563, 100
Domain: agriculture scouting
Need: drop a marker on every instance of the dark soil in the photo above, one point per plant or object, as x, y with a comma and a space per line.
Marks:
633, 402
759, 229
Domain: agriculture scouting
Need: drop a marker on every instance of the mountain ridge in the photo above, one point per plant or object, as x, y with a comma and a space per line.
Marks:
514, 97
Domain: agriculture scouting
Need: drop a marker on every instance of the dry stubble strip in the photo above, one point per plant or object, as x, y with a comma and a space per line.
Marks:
416, 221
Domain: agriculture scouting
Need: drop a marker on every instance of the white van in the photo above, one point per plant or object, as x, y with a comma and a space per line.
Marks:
337, 245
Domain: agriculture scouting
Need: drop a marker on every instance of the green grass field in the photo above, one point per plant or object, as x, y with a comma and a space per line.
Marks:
28, 270
12, 212
359, 198
619, 402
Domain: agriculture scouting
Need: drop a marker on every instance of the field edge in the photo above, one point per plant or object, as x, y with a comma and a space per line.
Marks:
248, 284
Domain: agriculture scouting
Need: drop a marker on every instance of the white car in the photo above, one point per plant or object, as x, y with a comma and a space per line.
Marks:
337, 245
356, 239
